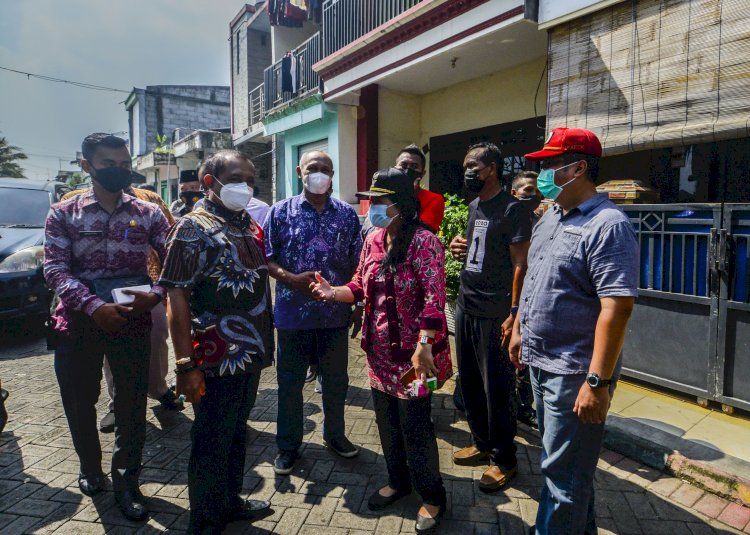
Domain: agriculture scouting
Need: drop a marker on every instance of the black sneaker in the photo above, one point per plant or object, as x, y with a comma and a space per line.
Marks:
171, 402
107, 425
284, 462
528, 417
93, 484
342, 446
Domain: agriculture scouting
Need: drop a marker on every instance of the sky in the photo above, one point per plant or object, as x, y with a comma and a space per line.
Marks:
115, 43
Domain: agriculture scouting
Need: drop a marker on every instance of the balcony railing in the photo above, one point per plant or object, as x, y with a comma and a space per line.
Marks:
345, 21
282, 87
256, 105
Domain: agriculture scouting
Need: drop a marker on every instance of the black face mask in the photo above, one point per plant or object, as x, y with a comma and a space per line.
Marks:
412, 174
532, 203
473, 183
113, 179
191, 197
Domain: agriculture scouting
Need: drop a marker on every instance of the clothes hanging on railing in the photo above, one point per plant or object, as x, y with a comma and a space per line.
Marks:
315, 11
289, 74
280, 15
295, 9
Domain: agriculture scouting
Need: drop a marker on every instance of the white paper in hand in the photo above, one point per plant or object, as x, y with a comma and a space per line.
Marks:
122, 298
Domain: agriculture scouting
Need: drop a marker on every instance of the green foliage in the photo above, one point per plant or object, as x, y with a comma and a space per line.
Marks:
75, 179
8, 157
454, 223
161, 145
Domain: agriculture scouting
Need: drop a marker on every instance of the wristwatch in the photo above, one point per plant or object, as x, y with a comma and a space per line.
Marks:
594, 381
424, 339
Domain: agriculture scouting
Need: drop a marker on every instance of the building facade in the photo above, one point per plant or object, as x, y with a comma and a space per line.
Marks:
156, 117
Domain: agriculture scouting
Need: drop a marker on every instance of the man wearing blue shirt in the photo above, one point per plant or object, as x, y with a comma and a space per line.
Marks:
580, 290
304, 234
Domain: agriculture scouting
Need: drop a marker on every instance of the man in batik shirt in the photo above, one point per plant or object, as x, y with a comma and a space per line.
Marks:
222, 331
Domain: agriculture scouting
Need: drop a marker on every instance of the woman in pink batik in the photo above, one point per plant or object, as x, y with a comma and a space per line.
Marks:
401, 280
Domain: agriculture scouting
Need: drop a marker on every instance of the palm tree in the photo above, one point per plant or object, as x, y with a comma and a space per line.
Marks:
8, 156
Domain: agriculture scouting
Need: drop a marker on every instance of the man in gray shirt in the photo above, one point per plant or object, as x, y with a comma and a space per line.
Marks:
580, 290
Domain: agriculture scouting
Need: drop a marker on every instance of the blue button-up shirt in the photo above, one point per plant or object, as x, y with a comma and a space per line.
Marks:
574, 261
300, 239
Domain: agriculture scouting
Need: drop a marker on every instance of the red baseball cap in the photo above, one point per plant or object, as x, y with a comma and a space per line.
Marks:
564, 140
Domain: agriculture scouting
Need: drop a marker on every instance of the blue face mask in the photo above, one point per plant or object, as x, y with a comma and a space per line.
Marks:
545, 182
378, 216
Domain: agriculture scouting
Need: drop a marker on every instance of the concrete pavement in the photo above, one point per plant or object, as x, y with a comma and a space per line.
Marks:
325, 494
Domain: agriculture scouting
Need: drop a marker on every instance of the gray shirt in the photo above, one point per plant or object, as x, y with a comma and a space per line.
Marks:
574, 261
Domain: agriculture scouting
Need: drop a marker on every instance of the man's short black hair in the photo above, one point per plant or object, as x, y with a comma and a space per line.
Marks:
414, 151
215, 164
490, 153
521, 177
591, 161
100, 139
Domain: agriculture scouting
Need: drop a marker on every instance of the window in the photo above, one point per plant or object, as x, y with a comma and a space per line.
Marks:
237, 51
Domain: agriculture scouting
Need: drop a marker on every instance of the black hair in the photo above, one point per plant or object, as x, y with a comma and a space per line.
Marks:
490, 154
148, 187
409, 210
100, 139
414, 151
520, 177
215, 164
592, 163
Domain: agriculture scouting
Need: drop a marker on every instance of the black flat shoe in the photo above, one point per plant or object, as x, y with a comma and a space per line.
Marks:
132, 504
92, 485
426, 525
171, 402
378, 502
251, 510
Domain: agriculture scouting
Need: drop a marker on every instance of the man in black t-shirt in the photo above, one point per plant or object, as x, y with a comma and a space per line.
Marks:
494, 254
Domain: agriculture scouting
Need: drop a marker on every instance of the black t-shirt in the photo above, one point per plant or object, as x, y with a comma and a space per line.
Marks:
487, 275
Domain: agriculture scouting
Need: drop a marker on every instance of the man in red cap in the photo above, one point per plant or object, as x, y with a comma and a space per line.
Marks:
580, 290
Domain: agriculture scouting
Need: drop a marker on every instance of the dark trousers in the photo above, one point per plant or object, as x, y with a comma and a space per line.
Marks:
525, 391
217, 457
78, 365
488, 385
409, 445
296, 347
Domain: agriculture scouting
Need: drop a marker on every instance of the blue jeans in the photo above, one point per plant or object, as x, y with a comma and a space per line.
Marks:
296, 347
570, 451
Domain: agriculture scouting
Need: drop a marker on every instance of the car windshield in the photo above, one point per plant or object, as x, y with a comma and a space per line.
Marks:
23, 208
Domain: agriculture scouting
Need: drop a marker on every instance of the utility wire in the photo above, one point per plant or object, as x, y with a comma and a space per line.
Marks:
83, 85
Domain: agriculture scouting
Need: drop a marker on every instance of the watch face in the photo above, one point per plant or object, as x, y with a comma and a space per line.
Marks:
592, 380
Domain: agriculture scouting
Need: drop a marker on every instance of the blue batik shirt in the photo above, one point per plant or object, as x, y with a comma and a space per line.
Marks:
300, 239
575, 259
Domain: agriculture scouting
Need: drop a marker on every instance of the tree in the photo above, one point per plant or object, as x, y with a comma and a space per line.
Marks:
76, 179
8, 156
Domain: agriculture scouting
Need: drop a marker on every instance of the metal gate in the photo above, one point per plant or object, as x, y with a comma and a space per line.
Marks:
690, 329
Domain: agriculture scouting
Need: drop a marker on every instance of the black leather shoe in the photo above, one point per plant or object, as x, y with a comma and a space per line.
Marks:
107, 425
251, 510
171, 402
92, 485
342, 447
132, 504
426, 525
378, 502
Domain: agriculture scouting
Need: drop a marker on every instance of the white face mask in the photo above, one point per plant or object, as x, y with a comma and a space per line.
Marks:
235, 197
318, 183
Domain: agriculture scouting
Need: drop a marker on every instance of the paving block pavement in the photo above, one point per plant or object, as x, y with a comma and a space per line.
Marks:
325, 493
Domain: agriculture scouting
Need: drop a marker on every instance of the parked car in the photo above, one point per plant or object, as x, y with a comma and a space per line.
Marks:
24, 205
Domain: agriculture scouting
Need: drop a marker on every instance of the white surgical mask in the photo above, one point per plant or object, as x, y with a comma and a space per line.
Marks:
235, 196
318, 183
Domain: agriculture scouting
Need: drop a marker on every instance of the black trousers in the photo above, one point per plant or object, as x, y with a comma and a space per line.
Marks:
488, 384
78, 365
409, 445
217, 458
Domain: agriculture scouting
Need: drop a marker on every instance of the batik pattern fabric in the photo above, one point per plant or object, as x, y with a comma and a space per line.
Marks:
218, 255
300, 239
419, 285
84, 242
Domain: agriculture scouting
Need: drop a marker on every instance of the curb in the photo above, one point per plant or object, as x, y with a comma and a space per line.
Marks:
692, 461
